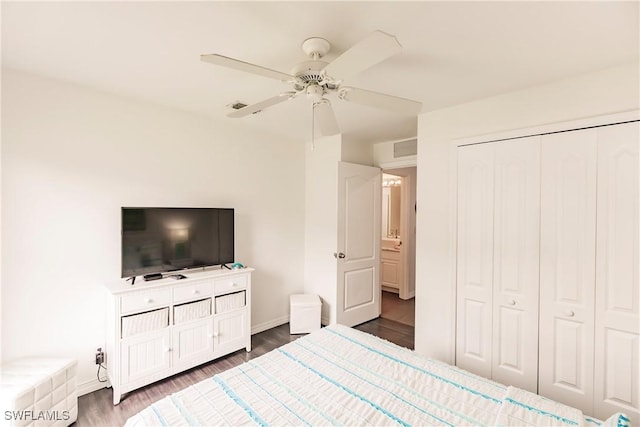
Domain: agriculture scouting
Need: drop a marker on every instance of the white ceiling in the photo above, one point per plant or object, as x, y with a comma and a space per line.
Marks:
454, 52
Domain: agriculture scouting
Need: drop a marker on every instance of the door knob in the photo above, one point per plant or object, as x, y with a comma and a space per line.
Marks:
339, 255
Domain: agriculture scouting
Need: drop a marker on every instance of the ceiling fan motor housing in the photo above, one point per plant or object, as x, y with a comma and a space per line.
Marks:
308, 72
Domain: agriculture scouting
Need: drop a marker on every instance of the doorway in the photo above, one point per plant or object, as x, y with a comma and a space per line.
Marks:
397, 258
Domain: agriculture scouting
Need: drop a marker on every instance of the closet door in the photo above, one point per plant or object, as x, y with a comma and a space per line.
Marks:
617, 322
567, 267
516, 263
475, 258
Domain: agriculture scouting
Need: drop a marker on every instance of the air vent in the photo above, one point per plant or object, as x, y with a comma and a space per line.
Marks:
237, 105
405, 148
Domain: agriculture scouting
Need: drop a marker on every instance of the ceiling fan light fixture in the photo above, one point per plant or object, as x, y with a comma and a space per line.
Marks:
315, 92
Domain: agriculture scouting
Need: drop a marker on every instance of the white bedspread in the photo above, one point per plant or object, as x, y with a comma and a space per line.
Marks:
341, 376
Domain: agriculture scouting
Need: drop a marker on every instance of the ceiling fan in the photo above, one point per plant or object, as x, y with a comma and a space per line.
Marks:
316, 79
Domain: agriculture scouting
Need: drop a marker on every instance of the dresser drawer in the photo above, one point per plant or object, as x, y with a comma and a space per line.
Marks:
145, 300
230, 284
192, 292
147, 321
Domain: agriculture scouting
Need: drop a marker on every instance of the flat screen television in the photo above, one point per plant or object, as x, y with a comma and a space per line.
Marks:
158, 240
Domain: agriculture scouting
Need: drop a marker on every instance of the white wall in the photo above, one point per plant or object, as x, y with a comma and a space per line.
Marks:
608, 91
357, 152
71, 157
321, 222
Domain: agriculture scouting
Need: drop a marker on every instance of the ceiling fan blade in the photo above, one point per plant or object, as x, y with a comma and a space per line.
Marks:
375, 48
380, 100
259, 106
325, 118
246, 67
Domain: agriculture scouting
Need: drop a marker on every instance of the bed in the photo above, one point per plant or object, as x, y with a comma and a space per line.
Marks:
342, 376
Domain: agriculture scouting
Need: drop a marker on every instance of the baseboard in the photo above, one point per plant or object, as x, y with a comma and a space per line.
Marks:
91, 386
255, 329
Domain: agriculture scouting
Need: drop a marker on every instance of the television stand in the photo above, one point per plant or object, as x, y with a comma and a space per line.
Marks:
133, 280
226, 266
163, 327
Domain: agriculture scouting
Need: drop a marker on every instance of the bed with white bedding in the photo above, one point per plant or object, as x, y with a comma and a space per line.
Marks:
342, 376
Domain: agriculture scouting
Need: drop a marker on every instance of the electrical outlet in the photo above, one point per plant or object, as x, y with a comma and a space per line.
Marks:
99, 356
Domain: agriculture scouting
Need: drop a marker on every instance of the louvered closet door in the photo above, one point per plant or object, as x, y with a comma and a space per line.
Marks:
516, 262
567, 267
617, 322
475, 258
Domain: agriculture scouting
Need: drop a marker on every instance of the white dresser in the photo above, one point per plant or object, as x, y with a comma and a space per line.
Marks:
158, 328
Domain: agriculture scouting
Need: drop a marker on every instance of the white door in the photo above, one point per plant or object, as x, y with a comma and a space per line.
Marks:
475, 258
358, 252
516, 262
617, 321
567, 267
498, 260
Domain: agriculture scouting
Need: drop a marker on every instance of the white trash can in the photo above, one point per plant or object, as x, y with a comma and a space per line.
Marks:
305, 313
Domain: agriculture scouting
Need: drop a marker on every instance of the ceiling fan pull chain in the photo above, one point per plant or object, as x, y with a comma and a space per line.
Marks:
313, 126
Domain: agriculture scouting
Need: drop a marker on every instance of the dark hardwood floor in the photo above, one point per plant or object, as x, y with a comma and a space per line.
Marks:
394, 308
96, 409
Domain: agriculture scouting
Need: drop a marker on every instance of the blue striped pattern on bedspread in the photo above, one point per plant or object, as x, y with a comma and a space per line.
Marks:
334, 376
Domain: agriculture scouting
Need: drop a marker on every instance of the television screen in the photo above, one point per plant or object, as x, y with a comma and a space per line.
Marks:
156, 240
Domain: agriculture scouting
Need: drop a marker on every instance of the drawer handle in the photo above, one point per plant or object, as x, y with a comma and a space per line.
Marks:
148, 300
234, 285
569, 313
195, 291
512, 302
